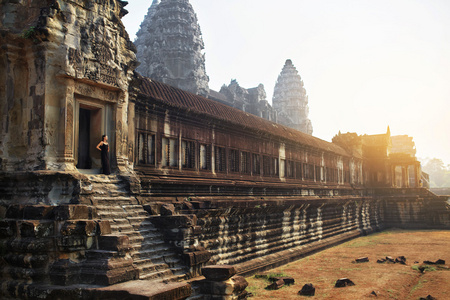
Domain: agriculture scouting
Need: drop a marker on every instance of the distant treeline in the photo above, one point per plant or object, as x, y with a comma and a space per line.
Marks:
439, 173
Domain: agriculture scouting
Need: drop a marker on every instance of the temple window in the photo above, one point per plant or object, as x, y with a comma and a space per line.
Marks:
318, 169
282, 168
245, 162
169, 147
146, 149
220, 159
275, 169
266, 165
298, 170
205, 157
188, 154
256, 164
233, 159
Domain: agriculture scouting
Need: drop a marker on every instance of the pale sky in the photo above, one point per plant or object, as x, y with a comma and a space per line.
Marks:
366, 64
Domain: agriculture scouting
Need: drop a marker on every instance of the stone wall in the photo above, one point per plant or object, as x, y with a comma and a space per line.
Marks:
55, 229
417, 211
49, 240
257, 235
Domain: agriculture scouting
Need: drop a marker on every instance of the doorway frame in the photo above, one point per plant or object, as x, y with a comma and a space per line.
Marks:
86, 104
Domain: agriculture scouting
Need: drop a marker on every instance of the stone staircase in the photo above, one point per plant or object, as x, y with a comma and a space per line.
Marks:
152, 257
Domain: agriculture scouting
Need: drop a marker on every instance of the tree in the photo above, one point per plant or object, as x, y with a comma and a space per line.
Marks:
439, 174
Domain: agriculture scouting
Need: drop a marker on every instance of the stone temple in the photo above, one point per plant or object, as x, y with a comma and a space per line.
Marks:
198, 187
290, 100
169, 46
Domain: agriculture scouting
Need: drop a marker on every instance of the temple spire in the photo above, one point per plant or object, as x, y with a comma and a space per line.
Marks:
169, 46
290, 99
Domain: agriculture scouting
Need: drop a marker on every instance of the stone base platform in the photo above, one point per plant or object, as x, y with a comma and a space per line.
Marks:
131, 290
143, 290
277, 259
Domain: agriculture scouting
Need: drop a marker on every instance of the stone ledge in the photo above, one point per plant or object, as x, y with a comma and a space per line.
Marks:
141, 289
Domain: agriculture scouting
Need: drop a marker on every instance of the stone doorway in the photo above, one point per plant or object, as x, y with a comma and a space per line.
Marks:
91, 121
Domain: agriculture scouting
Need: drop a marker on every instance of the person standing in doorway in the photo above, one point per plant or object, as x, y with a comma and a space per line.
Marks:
103, 146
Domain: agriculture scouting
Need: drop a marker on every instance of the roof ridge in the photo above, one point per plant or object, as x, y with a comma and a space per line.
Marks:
183, 99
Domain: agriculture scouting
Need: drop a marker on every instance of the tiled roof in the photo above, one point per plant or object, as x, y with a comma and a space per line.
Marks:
184, 100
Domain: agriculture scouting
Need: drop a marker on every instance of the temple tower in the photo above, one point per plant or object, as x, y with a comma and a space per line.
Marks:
290, 100
169, 46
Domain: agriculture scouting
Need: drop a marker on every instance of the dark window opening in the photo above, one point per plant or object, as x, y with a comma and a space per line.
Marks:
188, 154
169, 148
256, 164
146, 149
220, 159
245, 163
205, 157
233, 159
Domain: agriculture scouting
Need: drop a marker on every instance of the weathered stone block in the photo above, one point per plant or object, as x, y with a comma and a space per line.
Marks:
153, 209
197, 258
36, 228
8, 229
178, 221
26, 260
287, 280
103, 227
114, 242
167, 209
30, 245
14, 212
72, 212
307, 290
218, 272
275, 285
343, 282
201, 204
362, 260
108, 277
63, 272
3, 210
401, 260
38, 212
72, 243
81, 228
196, 230
187, 205
232, 286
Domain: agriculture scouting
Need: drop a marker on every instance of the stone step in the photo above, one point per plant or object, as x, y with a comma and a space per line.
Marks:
154, 252
114, 201
138, 221
136, 212
156, 275
171, 259
108, 215
101, 178
21, 273
175, 278
122, 229
148, 266
144, 225
110, 208
120, 222
111, 194
155, 244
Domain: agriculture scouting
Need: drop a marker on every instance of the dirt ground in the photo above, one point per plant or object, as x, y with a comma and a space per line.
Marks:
389, 281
